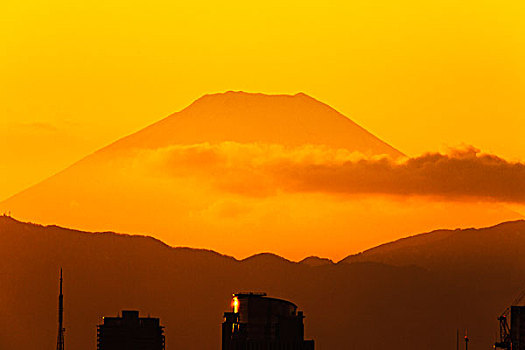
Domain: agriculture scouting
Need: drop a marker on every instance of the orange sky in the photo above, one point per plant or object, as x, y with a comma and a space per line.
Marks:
420, 75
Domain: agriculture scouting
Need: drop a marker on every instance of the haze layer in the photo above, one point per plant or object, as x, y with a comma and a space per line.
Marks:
244, 173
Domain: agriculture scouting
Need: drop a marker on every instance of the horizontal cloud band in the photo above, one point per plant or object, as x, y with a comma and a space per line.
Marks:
457, 175
254, 169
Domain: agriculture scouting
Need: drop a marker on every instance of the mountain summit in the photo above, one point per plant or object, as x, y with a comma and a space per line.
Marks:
289, 120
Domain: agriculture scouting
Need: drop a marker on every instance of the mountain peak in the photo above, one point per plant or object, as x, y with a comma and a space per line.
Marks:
237, 116
265, 258
237, 96
316, 261
253, 94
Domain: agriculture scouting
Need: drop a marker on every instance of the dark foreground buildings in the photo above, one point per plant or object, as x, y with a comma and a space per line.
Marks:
517, 327
130, 332
261, 323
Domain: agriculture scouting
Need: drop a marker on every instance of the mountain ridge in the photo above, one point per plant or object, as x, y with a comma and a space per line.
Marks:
415, 249
8, 221
408, 241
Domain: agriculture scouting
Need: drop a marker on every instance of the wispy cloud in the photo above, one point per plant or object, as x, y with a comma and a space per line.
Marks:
37, 126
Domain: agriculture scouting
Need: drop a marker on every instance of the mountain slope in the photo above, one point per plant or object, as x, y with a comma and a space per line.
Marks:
501, 246
347, 305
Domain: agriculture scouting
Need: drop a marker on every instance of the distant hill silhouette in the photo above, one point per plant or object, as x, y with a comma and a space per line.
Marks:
500, 246
349, 305
316, 261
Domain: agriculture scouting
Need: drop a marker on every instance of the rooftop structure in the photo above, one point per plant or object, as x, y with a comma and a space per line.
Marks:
260, 322
130, 332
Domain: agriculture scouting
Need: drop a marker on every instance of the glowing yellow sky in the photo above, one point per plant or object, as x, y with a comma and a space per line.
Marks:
76, 75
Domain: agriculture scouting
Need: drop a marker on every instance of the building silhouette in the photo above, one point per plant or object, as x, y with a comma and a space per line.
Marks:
517, 327
130, 332
258, 322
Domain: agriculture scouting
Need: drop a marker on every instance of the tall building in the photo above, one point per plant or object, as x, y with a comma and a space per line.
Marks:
517, 327
258, 322
130, 332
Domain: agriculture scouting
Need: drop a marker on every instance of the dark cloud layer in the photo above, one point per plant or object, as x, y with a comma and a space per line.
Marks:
461, 174
458, 175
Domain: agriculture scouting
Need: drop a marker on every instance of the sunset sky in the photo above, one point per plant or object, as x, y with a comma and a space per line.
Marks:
362, 159
421, 75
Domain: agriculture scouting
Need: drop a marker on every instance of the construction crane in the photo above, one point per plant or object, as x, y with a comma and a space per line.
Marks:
505, 341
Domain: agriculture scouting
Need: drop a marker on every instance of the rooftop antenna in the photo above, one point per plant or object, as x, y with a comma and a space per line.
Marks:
61, 329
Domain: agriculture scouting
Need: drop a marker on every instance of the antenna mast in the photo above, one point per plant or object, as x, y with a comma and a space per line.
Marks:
61, 329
